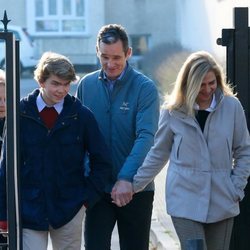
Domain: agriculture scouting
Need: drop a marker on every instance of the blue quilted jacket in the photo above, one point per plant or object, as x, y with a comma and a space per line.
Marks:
128, 117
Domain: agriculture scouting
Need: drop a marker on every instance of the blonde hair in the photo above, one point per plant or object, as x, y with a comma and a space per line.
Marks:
54, 64
189, 80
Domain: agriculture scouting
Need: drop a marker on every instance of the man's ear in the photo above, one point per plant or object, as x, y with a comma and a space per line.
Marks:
129, 53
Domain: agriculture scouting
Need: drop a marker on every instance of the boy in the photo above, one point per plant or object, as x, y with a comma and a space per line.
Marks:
56, 131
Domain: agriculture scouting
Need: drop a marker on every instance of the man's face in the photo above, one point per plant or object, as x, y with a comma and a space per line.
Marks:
112, 58
54, 89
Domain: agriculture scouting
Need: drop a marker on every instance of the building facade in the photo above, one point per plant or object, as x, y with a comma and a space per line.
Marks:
70, 26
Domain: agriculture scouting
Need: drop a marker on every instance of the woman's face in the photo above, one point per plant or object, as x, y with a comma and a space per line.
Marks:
208, 87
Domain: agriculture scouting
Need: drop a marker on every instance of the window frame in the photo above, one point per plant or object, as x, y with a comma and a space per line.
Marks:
147, 38
31, 19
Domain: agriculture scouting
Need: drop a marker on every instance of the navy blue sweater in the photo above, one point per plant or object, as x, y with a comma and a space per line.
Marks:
52, 175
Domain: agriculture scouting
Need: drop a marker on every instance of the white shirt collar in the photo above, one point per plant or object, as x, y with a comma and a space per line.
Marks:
210, 108
41, 104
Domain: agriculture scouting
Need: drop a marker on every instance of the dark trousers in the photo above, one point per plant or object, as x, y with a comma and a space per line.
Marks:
133, 223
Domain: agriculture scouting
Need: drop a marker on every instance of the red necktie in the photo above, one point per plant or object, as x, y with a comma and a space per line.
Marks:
49, 116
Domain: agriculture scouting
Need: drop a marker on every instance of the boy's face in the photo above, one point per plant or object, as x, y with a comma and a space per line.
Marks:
54, 89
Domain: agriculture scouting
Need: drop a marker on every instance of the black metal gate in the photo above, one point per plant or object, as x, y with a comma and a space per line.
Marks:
237, 42
12, 135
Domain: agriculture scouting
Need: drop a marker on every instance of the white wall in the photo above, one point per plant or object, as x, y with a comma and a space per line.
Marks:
154, 17
201, 22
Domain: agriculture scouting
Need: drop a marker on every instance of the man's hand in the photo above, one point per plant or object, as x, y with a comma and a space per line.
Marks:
122, 193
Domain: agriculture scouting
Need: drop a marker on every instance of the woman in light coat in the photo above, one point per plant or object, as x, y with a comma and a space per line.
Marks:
204, 135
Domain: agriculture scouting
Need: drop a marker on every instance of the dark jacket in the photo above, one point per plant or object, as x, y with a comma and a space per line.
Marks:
53, 183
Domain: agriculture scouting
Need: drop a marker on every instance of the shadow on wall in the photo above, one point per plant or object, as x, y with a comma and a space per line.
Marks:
163, 63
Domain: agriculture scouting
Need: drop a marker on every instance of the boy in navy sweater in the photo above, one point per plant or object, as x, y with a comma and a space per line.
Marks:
56, 132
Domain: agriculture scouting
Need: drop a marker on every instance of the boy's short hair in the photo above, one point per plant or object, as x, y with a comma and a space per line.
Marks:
54, 64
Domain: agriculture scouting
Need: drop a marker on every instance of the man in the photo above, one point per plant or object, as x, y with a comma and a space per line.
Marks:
126, 106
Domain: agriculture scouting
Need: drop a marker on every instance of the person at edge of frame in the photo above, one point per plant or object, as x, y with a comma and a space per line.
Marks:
56, 131
204, 135
3, 239
126, 105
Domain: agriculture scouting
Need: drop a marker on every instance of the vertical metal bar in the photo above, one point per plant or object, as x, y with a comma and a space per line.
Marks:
238, 69
12, 136
227, 39
10, 145
230, 57
241, 57
17, 155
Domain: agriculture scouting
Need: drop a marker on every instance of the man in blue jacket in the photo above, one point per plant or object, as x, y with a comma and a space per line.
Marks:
126, 106
56, 132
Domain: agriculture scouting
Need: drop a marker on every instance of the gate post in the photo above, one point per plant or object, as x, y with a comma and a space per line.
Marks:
238, 73
12, 136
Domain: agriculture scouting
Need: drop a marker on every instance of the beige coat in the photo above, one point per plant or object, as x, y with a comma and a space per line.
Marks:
207, 171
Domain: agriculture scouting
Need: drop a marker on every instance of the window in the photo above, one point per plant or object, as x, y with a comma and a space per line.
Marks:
54, 17
140, 44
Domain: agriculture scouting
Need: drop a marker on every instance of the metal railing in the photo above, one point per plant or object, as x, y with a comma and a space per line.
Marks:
237, 43
12, 60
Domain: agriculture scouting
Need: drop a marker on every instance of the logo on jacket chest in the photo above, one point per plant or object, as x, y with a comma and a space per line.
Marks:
125, 106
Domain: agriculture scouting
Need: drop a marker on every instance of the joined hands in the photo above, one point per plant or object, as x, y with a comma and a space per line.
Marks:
122, 193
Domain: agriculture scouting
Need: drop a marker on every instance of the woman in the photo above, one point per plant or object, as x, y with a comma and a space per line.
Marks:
203, 133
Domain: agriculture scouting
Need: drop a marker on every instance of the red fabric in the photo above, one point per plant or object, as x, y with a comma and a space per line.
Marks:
3, 226
49, 116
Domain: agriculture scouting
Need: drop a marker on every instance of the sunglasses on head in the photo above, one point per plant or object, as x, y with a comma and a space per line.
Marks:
109, 36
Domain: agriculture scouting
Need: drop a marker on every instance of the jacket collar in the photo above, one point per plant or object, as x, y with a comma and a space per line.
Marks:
122, 79
41, 104
28, 103
182, 111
